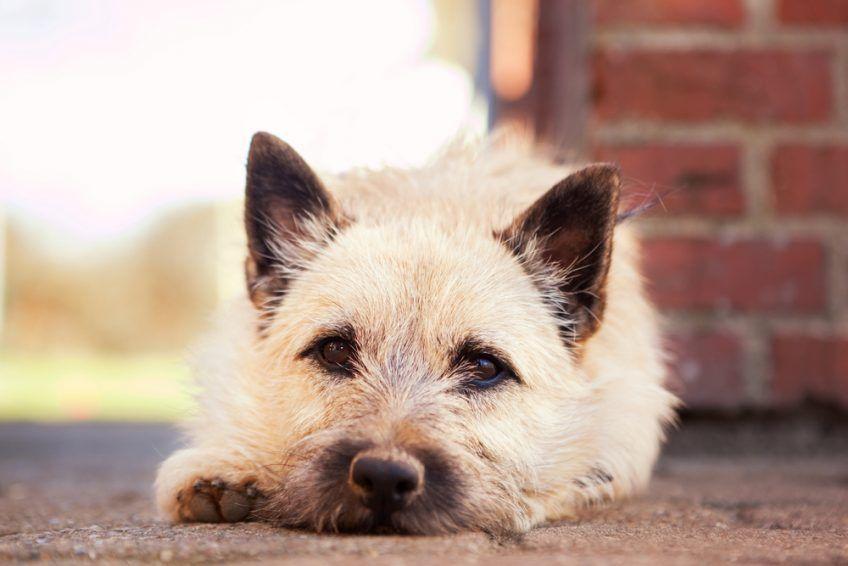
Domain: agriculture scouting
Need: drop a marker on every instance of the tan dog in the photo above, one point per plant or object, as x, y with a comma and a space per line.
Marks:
461, 346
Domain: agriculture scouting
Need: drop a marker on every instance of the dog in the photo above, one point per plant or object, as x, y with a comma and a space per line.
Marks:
462, 346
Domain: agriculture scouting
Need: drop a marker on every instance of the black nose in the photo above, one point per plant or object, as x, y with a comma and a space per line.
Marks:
386, 485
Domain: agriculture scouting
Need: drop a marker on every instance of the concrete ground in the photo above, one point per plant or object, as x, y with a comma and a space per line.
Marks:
749, 492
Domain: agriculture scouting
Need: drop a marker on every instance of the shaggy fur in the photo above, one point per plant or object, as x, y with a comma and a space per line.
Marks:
417, 267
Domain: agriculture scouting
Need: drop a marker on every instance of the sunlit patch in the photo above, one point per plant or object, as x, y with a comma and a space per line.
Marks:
141, 117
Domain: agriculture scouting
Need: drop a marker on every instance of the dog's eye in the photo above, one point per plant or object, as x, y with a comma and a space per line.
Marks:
486, 372
336, 353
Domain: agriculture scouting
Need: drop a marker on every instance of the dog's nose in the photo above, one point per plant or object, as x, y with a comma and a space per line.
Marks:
387, 485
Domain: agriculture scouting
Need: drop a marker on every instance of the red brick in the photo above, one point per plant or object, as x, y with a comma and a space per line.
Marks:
813, 12
809, 367
810, 179
749, 276
709, 367
716, 13
690, 179
694, 86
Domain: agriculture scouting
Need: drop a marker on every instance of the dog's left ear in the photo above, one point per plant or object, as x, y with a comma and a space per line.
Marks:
568, 233
286, 205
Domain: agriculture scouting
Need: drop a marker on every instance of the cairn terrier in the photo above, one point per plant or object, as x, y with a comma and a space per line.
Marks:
462, 346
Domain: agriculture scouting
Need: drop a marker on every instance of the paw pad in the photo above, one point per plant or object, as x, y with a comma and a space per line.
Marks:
215, 501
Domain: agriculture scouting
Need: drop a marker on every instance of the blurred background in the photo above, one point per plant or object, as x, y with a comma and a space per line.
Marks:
125, 128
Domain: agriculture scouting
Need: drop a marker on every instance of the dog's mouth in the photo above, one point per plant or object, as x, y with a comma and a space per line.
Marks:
352, 517
379, 524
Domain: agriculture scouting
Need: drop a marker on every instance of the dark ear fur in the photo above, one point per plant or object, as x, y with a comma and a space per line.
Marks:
568, 231
282, 194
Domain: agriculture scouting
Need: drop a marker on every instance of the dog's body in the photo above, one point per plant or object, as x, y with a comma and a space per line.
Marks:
426, 350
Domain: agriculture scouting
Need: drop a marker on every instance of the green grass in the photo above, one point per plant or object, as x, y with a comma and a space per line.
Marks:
62, 388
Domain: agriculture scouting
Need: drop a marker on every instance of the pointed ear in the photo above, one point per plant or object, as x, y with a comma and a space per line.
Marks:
284, 203
565, 240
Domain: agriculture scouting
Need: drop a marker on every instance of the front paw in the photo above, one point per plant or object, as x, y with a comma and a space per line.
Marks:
206, 486
216, 501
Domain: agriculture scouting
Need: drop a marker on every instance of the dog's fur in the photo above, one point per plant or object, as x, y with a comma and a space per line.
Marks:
416, 268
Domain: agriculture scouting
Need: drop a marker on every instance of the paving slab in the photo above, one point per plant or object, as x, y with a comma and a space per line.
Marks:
748, 492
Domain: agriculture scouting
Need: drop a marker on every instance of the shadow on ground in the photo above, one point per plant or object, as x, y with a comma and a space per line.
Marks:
754, 491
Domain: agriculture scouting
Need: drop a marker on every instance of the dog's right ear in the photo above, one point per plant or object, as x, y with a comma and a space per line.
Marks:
285, 206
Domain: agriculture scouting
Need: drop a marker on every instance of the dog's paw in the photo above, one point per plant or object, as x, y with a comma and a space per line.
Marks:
207, 486
216, 501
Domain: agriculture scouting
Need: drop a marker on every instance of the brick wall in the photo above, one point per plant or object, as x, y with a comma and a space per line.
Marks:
739, 110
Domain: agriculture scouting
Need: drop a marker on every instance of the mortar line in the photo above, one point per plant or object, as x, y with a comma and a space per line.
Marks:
729, 131
755, 175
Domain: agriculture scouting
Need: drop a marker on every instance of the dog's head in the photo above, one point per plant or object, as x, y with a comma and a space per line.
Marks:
426, 368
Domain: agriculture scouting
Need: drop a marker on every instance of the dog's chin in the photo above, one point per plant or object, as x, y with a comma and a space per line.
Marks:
380, 525
365, 522
351, 517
